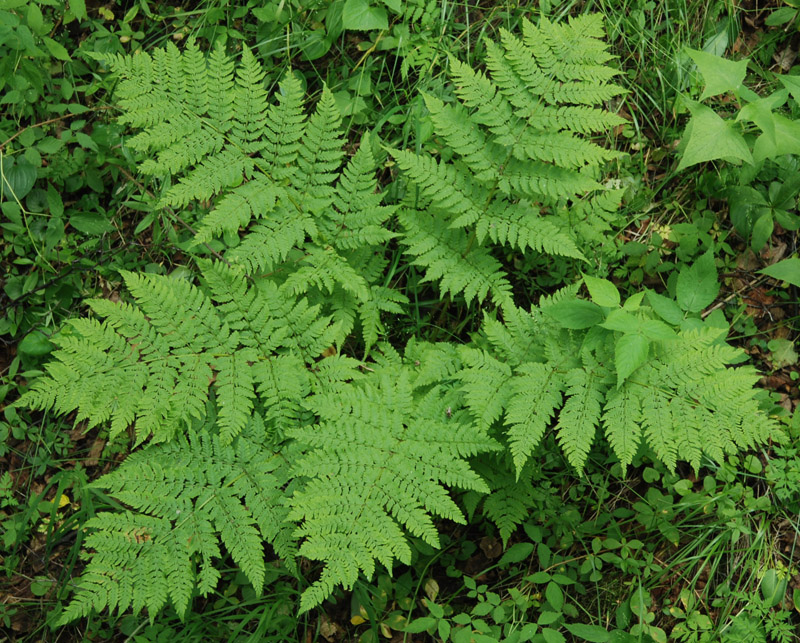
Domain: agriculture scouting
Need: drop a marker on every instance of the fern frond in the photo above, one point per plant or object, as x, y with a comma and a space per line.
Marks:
536, 394
251, 200
269, 242
622, 418
485, 383
381, 299
249, 105
285, 128
511, 498
580, 415
659, 425
378, 461
446, 189
323, 268
358, 219
523, 228
515, 147
320, 153
440, 250
186, 498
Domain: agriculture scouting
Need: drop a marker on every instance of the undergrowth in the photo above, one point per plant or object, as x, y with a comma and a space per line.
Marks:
406, 340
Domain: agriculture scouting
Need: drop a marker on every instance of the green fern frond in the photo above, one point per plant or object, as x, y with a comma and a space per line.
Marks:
515, 151
320, 154
441, 251
249, 123
485, 383
522, 227
511, 498
580, 414
359, 219
536, 394
269, 242
381, 299
377, 463
622, 422
186, 498
285, 128
252, 200
324, 268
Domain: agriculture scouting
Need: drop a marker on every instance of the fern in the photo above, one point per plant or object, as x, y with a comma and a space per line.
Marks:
185, 498
516, 138
381, 455
153, 365
684, 403
253, 427
273, 174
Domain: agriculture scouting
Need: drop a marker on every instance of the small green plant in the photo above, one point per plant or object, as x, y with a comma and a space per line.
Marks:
709, 136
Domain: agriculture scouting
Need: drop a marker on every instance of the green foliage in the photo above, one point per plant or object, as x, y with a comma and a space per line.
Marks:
381, 456
626, 371
255, 424
515, 156
275, 177
709, 136
185, 498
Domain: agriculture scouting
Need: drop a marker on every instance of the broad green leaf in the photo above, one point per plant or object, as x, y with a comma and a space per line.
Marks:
720, 75
762, 231
91, 223
708, 138
630, 352
56, 49
554, 595
419, 625
782, 352
657, 330
743, 203
516, 553
665, 308
634, 301
576, 314
761, 112
35, 343
792, 83
787, 135
552, 636
773, 587
622, 321
697, 284
360, 16
35, 19
602, 291
590, 633
78, 9
787, 270
781, 16
18, 178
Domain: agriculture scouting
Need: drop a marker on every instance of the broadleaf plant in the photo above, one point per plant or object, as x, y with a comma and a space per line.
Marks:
256, 426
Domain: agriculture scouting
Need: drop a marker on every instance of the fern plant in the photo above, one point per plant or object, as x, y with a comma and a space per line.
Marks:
517, 169
254, 428
282, 202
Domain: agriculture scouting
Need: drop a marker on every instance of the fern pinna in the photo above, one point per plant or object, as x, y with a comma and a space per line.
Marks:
255, 429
